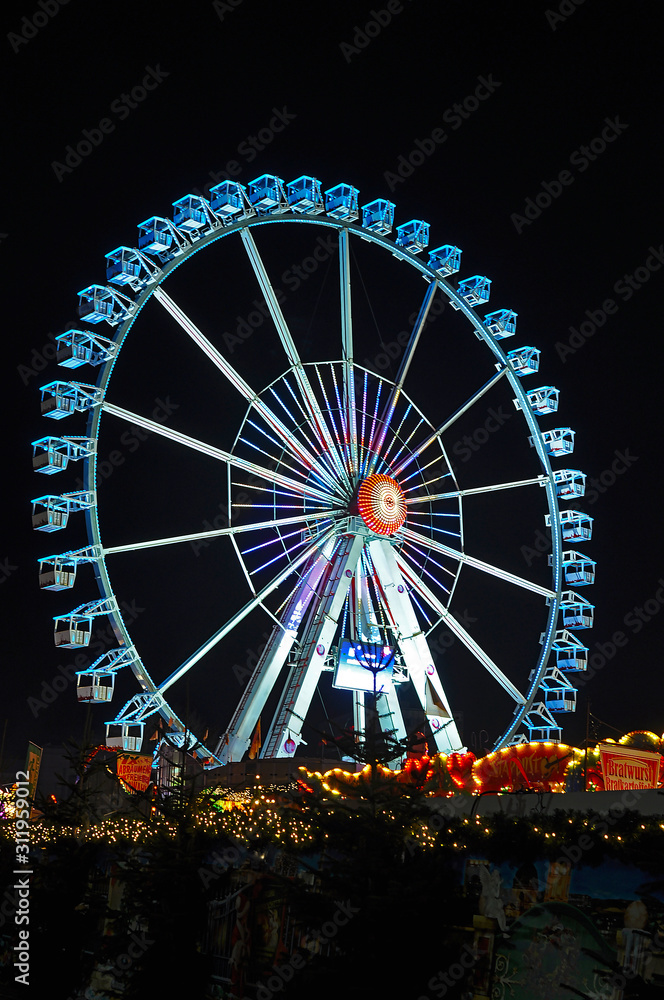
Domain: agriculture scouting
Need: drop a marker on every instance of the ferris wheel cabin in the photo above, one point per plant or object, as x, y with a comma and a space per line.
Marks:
501, 323
445, 260
576, 527
72, 631
82, 347
304, 196
57, 573
95, 686
125, 735
577, 612
51, 512
578, 569
524, 360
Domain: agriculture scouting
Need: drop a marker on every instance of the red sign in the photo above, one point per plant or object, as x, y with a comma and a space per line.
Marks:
526, 765
626, 767
134, 771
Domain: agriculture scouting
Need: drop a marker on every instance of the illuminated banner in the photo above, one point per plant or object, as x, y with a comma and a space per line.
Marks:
358, 661
537, 765
626, 767
32, 765
134, 771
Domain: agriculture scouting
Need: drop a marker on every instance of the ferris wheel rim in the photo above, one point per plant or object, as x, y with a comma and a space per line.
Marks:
103, 578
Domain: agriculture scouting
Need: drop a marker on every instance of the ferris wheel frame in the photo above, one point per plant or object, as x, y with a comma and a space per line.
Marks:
124, 313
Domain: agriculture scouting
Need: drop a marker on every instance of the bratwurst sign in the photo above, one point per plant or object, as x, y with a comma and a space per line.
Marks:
626, 767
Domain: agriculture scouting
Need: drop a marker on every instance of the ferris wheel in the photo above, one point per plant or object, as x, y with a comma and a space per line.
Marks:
346, 516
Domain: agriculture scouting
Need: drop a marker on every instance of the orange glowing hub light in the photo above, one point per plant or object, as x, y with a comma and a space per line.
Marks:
381, 504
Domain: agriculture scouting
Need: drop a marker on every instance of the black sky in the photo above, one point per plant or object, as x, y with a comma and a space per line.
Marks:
519, 177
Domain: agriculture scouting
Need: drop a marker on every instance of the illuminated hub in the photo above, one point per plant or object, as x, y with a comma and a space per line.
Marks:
381, 504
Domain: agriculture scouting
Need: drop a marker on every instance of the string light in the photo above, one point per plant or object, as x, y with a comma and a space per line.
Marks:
288, 816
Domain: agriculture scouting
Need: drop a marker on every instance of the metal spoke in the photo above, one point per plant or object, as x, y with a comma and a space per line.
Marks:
403, 370
448, 423
314, 410
284, 434
459, 631
347, 347
501, 574
218, 532
453, 494
243, 612
302, 489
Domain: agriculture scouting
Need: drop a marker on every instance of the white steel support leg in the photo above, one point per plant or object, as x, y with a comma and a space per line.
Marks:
266, 672
388, 708
414, 647
359, 714
305, 674
390, 719
240, 616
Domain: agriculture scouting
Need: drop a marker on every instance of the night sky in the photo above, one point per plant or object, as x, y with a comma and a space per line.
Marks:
529, 136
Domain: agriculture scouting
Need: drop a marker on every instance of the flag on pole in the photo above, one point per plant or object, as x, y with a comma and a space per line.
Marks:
32, 765
256, 742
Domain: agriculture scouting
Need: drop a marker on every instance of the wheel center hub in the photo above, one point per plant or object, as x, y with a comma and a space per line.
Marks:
381, 504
